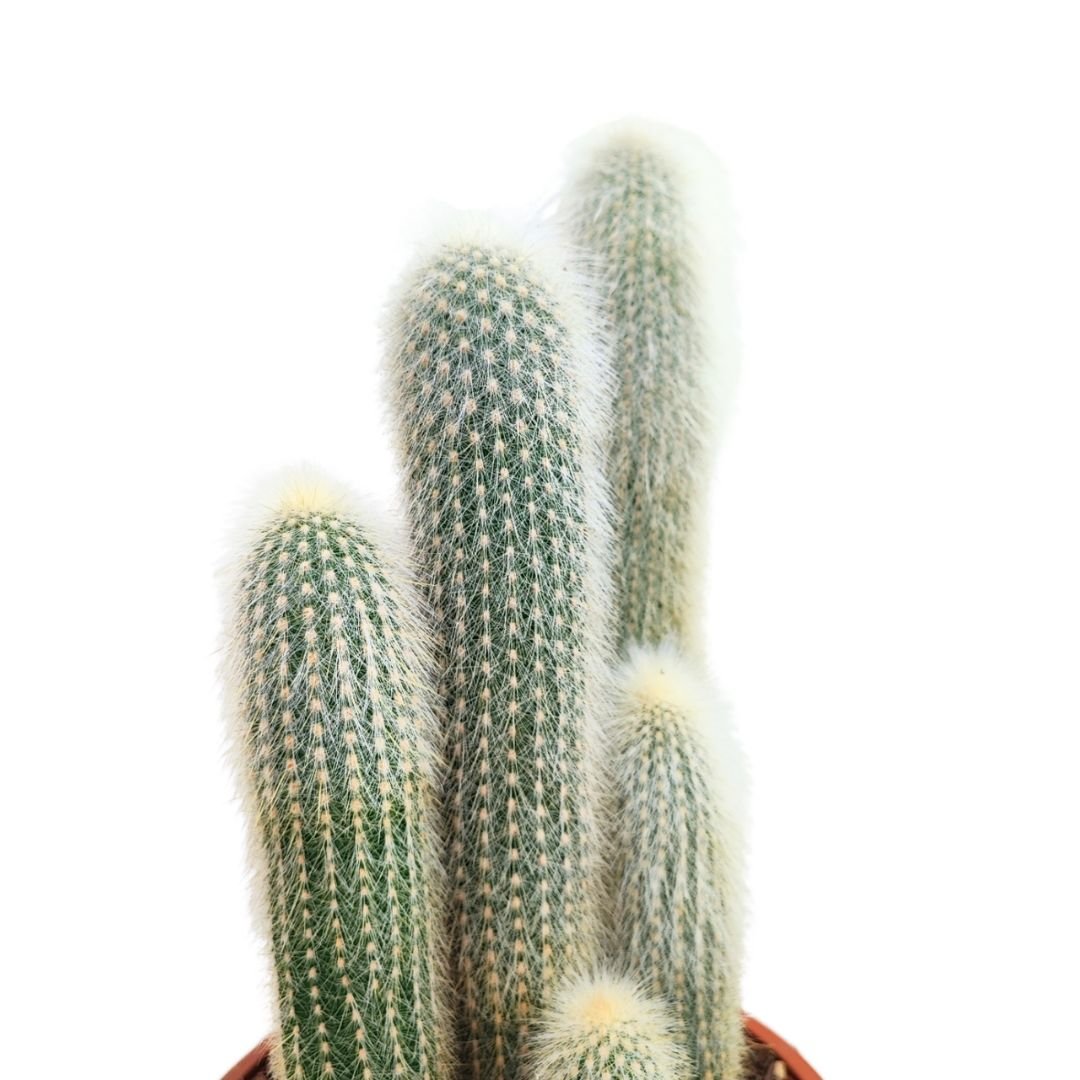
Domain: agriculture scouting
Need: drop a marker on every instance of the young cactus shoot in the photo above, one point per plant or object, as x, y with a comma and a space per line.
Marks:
679, 847
601, 1027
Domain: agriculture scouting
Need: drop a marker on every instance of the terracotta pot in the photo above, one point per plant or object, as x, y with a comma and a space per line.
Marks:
770, 1058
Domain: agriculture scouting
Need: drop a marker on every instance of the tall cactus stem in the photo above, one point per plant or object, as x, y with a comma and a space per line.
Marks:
330, 678
648, 205
498, 395
679, 850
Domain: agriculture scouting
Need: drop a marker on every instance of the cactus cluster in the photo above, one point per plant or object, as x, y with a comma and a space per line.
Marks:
489, 840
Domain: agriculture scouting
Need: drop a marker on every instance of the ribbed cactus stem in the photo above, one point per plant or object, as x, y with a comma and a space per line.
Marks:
488, 358
606, 1028
329, 671
679, 850
647, 205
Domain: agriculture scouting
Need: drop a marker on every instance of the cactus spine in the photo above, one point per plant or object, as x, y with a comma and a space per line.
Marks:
679, 850
328, 665
606, 1028
488, 360
643, 202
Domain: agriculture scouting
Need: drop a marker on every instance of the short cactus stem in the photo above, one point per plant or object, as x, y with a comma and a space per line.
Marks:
679, 850
335, 723
488, 359
606, 1028
647, 206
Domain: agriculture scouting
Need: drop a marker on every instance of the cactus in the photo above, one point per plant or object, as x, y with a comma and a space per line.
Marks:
491, 380
336, 722
647, 204
679, 850
605, 1028
347, 689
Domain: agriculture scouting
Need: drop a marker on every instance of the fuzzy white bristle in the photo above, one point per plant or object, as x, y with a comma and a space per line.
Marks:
308, 489
304, 490
605, 1026
660, 675
605, 1001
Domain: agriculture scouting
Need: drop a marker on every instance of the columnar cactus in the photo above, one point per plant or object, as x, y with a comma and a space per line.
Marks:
347, 688
605, 1028
489, 361
329, 664
679, 850
647, 206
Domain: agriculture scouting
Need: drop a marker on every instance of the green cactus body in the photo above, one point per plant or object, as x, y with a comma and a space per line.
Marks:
336, 727
487, 361
679, 850
643, 202
606, 1028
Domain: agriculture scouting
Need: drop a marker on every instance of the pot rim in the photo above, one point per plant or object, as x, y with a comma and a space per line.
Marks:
255, 1061
798, 1067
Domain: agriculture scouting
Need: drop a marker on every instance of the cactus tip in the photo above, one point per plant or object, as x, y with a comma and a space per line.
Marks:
605, 1004
602, 1002
305, 490
605, 1027
661, 676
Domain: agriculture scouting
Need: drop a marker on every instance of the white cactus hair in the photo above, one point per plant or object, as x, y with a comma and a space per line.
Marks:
305, 486
600, 1010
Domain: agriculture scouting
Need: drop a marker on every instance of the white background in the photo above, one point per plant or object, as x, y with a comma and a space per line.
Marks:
203, 206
